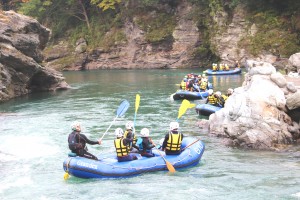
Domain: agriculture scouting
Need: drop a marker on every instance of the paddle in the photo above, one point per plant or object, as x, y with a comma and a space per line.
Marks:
168, 164
190, 145
120, 111
183, 107
137, 104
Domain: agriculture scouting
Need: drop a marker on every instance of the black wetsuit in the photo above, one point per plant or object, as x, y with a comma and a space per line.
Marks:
77, 144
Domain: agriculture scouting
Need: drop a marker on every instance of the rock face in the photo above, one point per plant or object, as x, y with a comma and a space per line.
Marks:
21, 41
255, 116
140, 54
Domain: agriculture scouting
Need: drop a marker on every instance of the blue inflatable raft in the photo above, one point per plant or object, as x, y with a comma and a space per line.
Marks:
206, 109
109, 167
188, 95
221, 72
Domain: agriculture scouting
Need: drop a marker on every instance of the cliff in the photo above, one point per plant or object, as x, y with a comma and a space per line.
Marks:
21, 41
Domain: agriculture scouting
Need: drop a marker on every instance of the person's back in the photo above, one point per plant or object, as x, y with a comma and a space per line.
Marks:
129, 134
77, 142
122, 147
173, 140
145, 143
211, 99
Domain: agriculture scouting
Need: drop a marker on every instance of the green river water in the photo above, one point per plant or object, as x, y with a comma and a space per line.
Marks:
35, 128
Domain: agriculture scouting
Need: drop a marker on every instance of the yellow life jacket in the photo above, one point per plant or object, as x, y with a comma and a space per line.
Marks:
121, 149
214, 68
183, 85
226, 67
203, 85
134, 137
221, 67
174, 142
225, 97
212, 99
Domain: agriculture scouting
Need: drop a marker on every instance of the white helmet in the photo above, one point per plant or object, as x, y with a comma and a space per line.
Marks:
129, 125
218, 93
210, 91
119, 132
75, 126
230, 91
174, 125
145, 132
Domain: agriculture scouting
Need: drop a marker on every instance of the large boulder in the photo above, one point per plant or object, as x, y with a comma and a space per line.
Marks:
255, 115
21, 41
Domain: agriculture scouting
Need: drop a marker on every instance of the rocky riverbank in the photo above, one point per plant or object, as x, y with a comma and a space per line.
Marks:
21, 40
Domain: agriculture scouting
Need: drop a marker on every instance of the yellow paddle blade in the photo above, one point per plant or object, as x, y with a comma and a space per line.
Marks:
170, 167
184, 106
192, 105
66, 176
137, 102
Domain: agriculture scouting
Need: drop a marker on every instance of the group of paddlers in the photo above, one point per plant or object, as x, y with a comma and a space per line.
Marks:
126, 143
194, 83
217, 98
224, 67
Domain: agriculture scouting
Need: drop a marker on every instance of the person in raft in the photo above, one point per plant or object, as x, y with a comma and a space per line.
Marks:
145, 143
173, 139
122, 146
129, 134
77, 142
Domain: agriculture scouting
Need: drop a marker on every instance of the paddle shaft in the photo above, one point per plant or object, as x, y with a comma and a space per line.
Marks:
108, 127
190, 145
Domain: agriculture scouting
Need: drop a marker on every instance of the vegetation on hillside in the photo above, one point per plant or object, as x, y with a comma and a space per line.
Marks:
101, 22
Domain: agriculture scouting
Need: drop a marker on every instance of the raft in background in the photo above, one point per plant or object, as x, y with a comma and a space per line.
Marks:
223, 72
188, 95
206, 109
109, 167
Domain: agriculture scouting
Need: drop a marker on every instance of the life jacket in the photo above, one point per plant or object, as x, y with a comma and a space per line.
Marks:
141, 146
225, 97
226, 67
214, 68
212, 99
221, 67
203, 85
134, 137
174, 142
74, 143
183, 85
121, 149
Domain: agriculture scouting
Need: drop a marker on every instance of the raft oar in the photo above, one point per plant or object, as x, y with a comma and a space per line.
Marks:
183, 107
120, 111
137, 104
168, 164
190, 144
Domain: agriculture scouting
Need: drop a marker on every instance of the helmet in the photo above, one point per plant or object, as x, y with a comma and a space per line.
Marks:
119, 132
185, 76
145, 132
199, 75
210, 91
174, 125
230, 91
75, 126
129, 125
218, 93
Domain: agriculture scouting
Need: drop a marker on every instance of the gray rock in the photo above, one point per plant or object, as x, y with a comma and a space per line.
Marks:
278, 79
291, 87
21, 41
255, 115
293, 101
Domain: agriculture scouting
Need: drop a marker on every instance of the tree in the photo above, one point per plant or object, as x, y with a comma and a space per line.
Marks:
106, 4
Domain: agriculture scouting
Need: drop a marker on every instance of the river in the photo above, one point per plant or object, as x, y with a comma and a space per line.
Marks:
34, 131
